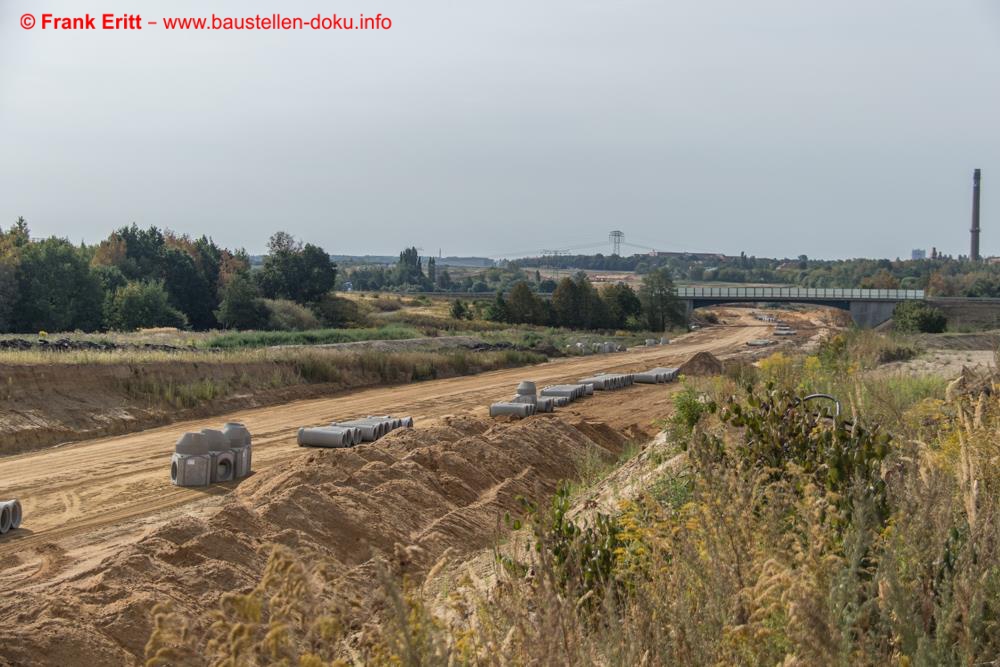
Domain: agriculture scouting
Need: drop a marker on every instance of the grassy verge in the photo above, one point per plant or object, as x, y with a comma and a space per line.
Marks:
249, 339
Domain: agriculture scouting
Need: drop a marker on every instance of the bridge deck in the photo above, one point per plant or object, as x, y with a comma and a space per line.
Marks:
798, 294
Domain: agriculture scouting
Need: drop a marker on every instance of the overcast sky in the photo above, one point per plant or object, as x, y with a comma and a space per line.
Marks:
840, 128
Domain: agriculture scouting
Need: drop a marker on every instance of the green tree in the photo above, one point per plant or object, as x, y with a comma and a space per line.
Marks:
659, 299
622, 303
295, 272
318, 274
56, 290
432, 271
408, 271
458, 310
523, 306
497, 310
566, 303
241, 306
141, 304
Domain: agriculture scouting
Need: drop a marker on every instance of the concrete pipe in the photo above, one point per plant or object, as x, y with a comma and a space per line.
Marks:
16, 513
353, 434
588, 389
526, 388
510, 409
407, 422
369, 431
560, 401
545, 404
647, 378
330, 436
5, 518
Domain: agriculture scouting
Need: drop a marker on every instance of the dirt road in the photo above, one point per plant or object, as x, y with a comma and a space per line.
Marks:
83, 501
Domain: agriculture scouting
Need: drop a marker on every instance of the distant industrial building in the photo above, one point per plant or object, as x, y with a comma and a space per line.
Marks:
918, 253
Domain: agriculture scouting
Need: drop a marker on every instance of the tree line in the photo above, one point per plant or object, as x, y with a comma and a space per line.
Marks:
577, 304
148, 278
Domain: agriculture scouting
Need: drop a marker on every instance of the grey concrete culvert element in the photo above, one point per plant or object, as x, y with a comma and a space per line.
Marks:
407, 422
647, 378
526, 388
241, 444
588, 388
326, 436
528, 400
664, 341
191, 463
652, 342
5, 518
223, 468
560, 401
512, 409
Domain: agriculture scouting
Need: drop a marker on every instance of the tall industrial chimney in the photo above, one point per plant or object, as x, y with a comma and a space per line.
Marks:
974, 251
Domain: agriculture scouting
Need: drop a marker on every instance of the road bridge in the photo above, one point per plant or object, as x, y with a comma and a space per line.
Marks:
868, 307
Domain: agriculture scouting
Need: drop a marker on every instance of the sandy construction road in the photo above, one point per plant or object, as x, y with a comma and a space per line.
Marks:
83, 501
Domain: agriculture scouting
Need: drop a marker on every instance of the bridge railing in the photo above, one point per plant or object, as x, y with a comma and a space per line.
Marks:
810, 293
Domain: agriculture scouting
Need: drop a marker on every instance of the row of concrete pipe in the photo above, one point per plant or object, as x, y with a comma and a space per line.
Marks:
212, 456
10, 515
353, 432
528, 401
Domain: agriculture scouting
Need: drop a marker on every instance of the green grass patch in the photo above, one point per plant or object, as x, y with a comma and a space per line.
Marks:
248, 339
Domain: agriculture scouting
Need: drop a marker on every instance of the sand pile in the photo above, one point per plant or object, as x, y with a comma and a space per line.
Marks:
703, 363
415, 491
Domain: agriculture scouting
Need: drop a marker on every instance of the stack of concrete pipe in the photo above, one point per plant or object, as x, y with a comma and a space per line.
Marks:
10, 515
570, 391
352, 432
610, 381
527, 393
657, 376
212, 456
524, 403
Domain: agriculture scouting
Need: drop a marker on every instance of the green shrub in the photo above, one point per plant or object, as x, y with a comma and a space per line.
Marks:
284, 315
140, 305
918, 317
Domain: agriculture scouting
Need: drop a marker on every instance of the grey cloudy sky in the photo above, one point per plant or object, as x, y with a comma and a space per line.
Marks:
839, 128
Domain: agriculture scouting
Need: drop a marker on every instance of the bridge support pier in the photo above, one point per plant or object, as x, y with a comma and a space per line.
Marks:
870, 314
